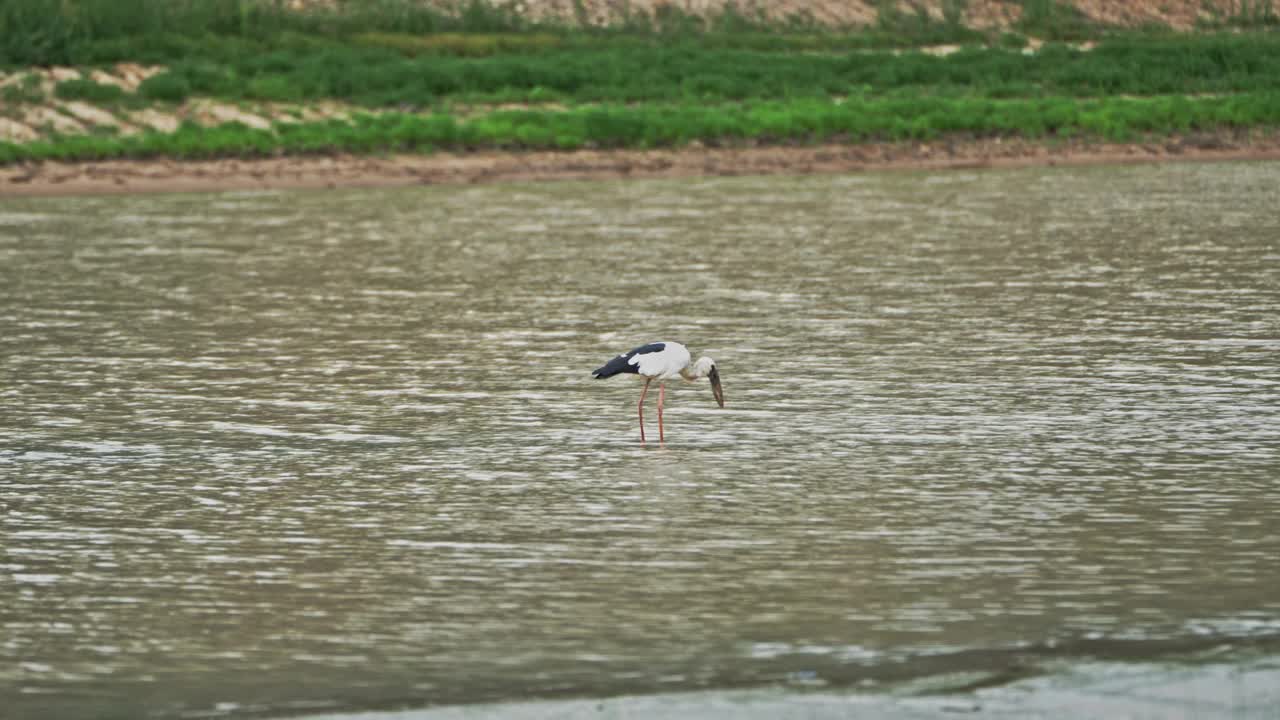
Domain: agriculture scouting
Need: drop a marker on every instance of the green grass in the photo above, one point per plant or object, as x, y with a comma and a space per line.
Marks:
651, 126
659, 80
89, 91
1248, 14
38, 32
166, 87
460, 44
375, 75
1052, 20
917, 27
26, 90
72, 32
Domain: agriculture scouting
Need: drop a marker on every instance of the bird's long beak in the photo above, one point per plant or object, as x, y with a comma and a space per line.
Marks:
715, 386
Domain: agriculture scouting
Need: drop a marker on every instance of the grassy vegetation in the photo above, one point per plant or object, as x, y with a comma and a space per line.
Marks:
88, 90
892, 22
647, 126
651, 81
1248, 14
377, 76
1051, 20
73, 32
25, 90
44, 32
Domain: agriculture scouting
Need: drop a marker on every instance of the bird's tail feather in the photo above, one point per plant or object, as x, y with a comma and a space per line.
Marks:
615, 366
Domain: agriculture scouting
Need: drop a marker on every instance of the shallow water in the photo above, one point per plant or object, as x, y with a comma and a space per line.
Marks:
277, 452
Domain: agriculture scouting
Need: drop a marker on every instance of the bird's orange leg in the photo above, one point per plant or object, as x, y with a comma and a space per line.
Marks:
641, 408
662, 394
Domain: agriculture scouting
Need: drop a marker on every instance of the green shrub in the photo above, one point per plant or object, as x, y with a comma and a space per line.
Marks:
1249, 14
275, 88
88, 90
46, 32
1011, 41
11, 153
167, 86
859, 117
27, 90
204, 77
1054, 20
679, 72
918, 27
460, 44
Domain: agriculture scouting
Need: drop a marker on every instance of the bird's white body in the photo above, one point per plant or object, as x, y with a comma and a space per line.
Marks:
666, 364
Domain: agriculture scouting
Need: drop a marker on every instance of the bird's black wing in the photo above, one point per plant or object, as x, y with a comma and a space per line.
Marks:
623, 364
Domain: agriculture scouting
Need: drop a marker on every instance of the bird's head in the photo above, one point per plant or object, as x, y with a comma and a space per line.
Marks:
706, 367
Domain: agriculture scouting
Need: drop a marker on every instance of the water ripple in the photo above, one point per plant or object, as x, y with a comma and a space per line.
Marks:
271, 452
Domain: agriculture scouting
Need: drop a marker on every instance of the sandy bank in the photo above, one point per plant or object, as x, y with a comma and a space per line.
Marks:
1248, 690
126, 176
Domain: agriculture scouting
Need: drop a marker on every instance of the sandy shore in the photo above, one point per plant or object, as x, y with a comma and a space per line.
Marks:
124, 176
1248, 690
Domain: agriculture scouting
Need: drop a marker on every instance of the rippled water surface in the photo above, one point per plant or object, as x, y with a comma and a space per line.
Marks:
265, 453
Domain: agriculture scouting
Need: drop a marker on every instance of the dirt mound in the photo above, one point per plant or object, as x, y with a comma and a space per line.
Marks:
45, 114
982, 14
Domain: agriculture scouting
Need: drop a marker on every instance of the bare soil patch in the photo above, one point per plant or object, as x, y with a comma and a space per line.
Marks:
980, 14
125, 176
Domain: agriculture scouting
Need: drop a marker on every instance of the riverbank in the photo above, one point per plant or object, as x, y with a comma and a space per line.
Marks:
1247, 690
152, 176
424, 105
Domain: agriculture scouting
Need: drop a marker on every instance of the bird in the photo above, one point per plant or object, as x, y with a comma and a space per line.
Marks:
662, 361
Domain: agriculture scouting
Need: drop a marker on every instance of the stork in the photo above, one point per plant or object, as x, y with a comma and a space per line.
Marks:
662, 361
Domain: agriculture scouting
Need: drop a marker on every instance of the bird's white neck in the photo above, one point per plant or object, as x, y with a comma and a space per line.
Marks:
698, 370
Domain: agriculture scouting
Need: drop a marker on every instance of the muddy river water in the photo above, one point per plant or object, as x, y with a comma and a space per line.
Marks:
268, 453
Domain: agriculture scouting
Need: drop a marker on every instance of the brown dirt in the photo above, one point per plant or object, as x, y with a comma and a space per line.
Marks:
450, 168
1179, 14
28, 121
981, 14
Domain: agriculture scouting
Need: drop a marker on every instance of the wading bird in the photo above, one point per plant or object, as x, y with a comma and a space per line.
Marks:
662, 361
